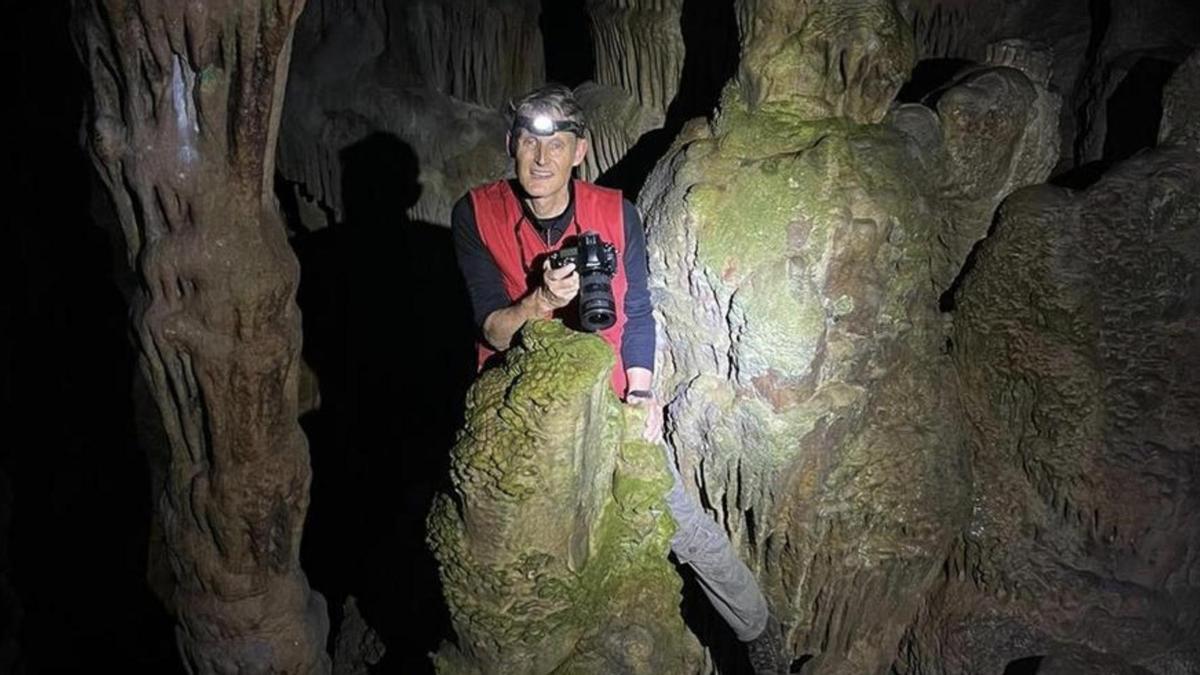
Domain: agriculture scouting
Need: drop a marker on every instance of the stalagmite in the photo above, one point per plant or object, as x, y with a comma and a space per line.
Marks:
553, 543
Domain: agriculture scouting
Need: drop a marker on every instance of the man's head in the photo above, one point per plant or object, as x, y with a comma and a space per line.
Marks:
546, 139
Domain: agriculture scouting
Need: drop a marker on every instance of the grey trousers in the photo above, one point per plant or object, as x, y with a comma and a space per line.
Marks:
725, 579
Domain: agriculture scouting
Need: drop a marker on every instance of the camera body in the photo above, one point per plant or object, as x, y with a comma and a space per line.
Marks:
596, 262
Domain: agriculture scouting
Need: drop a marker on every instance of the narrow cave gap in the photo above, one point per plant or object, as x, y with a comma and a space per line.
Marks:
1133, 118
710, 39
1027, 665
947, 302
751, 528
707, 625
1100, 14
289, 206
928, 77
711, 55
567, 41
1135, 109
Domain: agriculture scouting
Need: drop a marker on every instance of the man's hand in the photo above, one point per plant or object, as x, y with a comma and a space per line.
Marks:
654, 417
559, 286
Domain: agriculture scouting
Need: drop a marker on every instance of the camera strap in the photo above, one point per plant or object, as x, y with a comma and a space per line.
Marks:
527, 216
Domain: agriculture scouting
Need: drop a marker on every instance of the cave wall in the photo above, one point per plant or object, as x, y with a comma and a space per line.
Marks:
431, 75
437, 76
408, 68
799, 245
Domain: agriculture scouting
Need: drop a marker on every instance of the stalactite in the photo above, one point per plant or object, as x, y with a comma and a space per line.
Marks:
639, 48
474, 51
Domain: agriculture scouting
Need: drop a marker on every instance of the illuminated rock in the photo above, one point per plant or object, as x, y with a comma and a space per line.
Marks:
553, 543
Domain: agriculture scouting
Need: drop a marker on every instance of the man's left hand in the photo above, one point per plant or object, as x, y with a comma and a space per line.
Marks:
654, 418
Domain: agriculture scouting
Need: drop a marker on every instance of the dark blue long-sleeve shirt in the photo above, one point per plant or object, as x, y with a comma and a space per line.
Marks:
486, 288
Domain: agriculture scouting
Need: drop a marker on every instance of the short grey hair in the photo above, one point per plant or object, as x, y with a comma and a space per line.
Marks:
551, 99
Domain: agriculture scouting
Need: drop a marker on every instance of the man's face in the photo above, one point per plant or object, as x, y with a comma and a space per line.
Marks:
544, 163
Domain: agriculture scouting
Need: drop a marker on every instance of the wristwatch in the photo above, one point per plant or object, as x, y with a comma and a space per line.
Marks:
640, 393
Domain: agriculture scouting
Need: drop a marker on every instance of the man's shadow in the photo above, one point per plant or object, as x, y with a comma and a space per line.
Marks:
388, 333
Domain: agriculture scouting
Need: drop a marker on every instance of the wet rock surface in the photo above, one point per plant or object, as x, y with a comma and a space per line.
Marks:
829, 412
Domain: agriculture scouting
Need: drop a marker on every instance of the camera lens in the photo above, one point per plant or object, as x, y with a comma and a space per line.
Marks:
597, 308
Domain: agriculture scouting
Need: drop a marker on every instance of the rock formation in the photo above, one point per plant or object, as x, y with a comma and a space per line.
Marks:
798, 251
658, 63
553, 544
639, 48
823, 59
1075, 342
182, 125
1109, 57
433, 74
1135, 47
437, 76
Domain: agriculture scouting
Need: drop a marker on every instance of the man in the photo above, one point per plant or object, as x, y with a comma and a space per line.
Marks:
502, 230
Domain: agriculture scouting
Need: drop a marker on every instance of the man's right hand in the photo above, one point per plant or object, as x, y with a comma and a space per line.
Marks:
559, 286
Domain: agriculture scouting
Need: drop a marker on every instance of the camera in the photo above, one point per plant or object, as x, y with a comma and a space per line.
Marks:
596, 262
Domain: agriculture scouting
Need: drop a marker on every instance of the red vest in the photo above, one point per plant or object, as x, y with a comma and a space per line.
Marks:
518, 249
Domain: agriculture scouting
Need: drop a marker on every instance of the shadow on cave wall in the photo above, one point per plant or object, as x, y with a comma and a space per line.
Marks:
387, 331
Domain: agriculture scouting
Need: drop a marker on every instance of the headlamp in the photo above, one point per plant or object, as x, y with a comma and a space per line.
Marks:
544, 125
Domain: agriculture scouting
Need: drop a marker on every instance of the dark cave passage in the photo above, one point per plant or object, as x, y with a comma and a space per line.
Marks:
1027, 665
567, 36
928, 76
1135, 109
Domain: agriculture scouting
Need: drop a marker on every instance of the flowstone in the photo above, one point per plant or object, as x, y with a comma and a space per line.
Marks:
553, 542
799, 247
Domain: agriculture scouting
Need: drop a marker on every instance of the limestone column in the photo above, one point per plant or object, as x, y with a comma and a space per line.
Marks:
182, 126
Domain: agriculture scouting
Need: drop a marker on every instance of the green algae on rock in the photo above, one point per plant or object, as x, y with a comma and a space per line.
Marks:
799, 245
553, 542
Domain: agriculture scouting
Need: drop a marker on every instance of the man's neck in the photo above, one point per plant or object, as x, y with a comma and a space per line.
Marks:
550, 206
